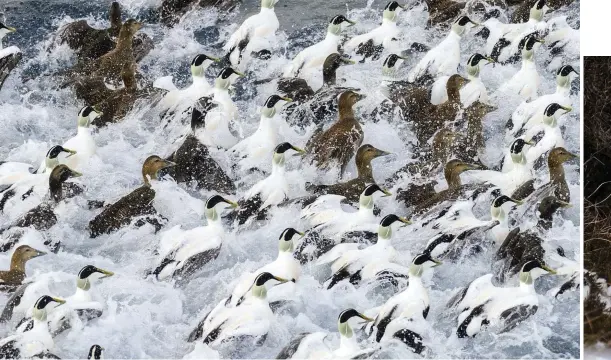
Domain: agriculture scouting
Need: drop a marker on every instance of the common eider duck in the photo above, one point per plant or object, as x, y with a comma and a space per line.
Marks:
96, 352
314, 56
371, 44
526, 81
37, 342
338, 144
9, 57
548, 133
10, 279
136, 204
90, 43
481, 304
12, 172
83, 142
194, 165
352, 189
182, 252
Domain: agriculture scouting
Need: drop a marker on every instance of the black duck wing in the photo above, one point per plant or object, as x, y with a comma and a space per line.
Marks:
296, 89
41, 218
7, 64
13, 301
137, 203
196, 262
248, 208
291, 348
369, 49
92, 90
10, 350
412, 339
514, 316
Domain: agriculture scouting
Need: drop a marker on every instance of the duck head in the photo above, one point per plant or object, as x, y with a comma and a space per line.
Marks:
454, 168
335, 25
462, 24
391, 11
563, 78
226, 78
473, 64
496, 210
559, 156
364, 155
273, 104
422, 262
129, 28
96, 352
268, 4
87, 115
517, 150
279, 158
538, 10
385, 228
532, 270
344, 328
216, 201
60, 174
200, 63
392, 64
547, 208
83, 281
51, 160
366, 198
528, 51
330, 66
40, 307
552, 112
151, 167
258, 287
286, 242
4, 30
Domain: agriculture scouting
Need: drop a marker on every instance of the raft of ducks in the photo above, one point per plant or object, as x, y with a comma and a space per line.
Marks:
346, 231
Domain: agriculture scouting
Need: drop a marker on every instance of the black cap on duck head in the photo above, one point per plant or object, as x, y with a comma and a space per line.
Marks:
476, 58
565, 70
89, 270
463, 20
288, 233
274, 99
535, 264
552, 108
62, 173
45, 300
539, 4
371, 189
227, 72
529, 41
198, 60
282, 148
335, 60
214, 200
265, 277
56, 150
391, 60
339, 19
499, 201
391, 219
392, 6
6, 29
86, 111
518, 145
95, 352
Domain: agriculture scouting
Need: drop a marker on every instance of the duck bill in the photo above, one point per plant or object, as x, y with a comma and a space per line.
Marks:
11, 29
549, 270
282, 280
232, 204
380, 153
287, 99
540, 41
386, 192
40, 253
168, 163
567, 109
70, 152
405, 220
565, 204
348, 61
515, 201
299, 150
490, 60
366, 318
437, 262
105, 272
215, 59
301, 233
352, 23
238, 73
58, 300
75, 174
530, 142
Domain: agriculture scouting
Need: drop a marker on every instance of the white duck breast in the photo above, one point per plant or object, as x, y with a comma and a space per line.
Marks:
14, 172
216, 132
177, 99
328, 214
258, 32
355, 264
379, 36
483, 304
249, 322
412, 303
37, 341
182, 252
259, 146
552, 136
313, 57
444, 58
83, 143
526, 81
473, 91
530, 113
504, 39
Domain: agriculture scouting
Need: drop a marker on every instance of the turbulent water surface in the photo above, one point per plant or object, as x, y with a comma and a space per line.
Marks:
145, 318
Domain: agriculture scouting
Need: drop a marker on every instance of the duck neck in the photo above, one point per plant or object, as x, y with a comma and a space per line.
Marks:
366, 205
347, 340
472, 72
364, 170
497, 213
456, 32
329, 76
333, 32
384, 236
550, 121
259, 292
17, 263
125, 41
518, 159
453, 94
453, 179
267, 5
527, 283
213, 218
200, 80
346, 113
556, 172
82, 130
563, 85
528, 59
278, 164
55, 188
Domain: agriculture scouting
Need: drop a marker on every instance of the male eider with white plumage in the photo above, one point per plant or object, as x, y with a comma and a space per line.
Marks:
313, 57
482, 304
136, 204
12, 172
78, 309
444, 58
371, 44
194, 164
526, 81
83, 142
10, 56
182, 252
249, 322
551, 132
37, 342
268, 192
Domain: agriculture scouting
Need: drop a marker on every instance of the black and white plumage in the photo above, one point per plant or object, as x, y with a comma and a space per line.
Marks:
95, 352
10, 56
182, 252
482, 304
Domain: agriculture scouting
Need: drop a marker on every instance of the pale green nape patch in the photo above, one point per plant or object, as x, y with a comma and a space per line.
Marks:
83, 121
268, 112
563, 81
211, 214
83, 284
286, 246
197, 71
366, 201
259, 291
390, 15
384, 232
279, 159
345, 329
526, 278
473, 70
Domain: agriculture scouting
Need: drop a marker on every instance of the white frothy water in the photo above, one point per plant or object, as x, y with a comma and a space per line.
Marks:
146, 318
